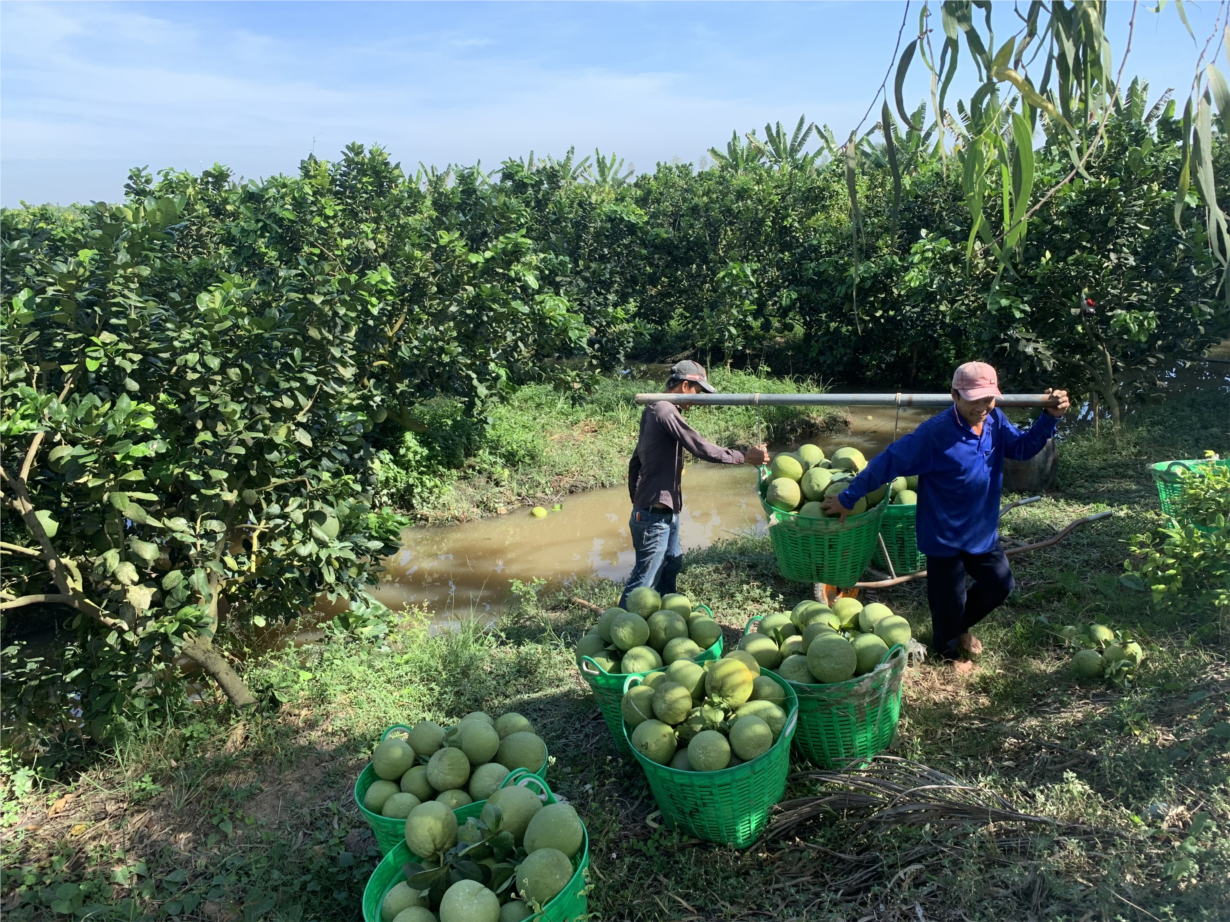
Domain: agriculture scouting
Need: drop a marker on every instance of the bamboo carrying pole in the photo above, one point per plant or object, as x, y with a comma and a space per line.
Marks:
838, 400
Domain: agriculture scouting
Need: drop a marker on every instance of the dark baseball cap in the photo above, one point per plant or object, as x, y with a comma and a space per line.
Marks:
694, 372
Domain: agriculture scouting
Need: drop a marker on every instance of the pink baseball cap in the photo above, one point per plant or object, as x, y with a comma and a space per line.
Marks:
975, 380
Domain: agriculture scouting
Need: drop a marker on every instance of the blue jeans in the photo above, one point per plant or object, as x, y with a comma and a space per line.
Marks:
659, 555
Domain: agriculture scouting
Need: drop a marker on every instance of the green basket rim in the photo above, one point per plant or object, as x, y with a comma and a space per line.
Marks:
1164, 470
787, 734
381, 818
886, 662
570, 889
598, 672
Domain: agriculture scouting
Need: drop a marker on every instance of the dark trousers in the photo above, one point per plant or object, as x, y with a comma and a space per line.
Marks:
659, 555
954, 610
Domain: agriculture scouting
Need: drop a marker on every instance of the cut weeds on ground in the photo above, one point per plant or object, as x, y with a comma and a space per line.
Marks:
1108, 802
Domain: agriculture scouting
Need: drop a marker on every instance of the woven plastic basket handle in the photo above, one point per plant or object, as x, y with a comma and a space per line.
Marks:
588, 665
632, 680
514, 776
747, 628
384, 736
701, 606
789, 728
533, 781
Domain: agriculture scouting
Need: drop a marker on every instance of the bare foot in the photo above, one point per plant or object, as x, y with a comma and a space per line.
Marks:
962, 667
969, 644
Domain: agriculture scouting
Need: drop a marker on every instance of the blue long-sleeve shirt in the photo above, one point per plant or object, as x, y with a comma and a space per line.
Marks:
960, 476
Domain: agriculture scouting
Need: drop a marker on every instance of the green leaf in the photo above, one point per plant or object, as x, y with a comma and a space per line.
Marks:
50, 525
890, 150
903, 68
57, 456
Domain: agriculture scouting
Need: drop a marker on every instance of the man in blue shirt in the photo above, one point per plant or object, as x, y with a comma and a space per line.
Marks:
958, 456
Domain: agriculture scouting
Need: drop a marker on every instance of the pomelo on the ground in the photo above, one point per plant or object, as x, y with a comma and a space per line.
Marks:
398, 806
709, 751
392, 758
1133, 652
555, 826
666, 625
640, 659
1101, 634
680, 648
1087, 663
644, 600
512, 722
629, 630
378, 793
486, 780
542, 875
655, 741
448, 769
415, 782
431, 828
518, 805
522, 750
469, 901
783, 494
831, 659
750, 737
869, 649
763, 648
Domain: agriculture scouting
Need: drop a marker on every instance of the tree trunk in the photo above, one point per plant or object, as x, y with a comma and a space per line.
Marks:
217, 668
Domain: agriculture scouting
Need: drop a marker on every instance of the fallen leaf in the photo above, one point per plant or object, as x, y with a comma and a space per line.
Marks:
79, 829
60, 805
235, 739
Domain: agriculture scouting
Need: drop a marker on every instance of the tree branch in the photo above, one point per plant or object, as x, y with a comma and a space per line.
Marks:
45, 598
18, 549
32, 451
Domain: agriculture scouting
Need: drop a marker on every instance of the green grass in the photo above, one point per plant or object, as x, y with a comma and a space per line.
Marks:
218, 818
542, 444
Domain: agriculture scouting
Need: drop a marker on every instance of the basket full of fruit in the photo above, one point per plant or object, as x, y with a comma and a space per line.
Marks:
456, 767
523, 854
897, 529
846, 664
714, 741
812, 547
653, 631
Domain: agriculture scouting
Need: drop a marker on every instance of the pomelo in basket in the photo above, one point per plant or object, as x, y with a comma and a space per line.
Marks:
477, 740
671, 703
605, 620
786, 466
518, 805
847, 610
664, 626
906, 498
831, 659
792, 645
590, 645
415, 782
893, 630
629, 630
873, 498
750, 737
768, 711
763, 648
399, 898
392, 758
870, 650
680, 761
871, 615
709, 751
815, 629
897, 485
542, 875
815, 482
431, 828
779, 621
680, 648
636, 705
849, 459
448, 769
398, 806
688, 674
795, 669
811, 454
479, 715
704, 632
425, 738
486, 780
678, 603
512, 722
455, 799
765, 689
812, 510
469, 901
655, 741
378, 793
415, 914
555, 826
729, 682
515, 911
753, 666
783, 494
522, 750
805, 612
640, 659
644, 600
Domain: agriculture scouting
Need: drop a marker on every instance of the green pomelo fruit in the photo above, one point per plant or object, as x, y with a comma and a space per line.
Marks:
606, 664
802, 614
859, 507
729, 682
812, 510
378, 793
1069, 632
734, 759
1101, 634
392, 758
677, 602
765, 689
477, 740
704, 632
590, 645
897, 486
640, 659
812, 454
709, 751
871, 615
469, 901
655, 678
834, 489
750, 737
486, 780
479, 715
815, 482
666, 625
538, 512
746, 659
680, 761
906, 498
542, 875
875, 496
629, 630
783, 494
767, 711
637, 705
779, 621
763, 649
815, 629
1112, 654
792, 645
415, 782
401, 897
518, 805
680, 648
869, 649
605, 620
431, 828
849, 459
786, 467
398, 806
1133, 653
448, 769
555, 826
847, 610
512, 722
688, 674
671, 703
1087, 663
454, 799
795, 669
831, 659
644, 600
655, 741
416, 914
894, 630
522, 750
911, 482
515, 911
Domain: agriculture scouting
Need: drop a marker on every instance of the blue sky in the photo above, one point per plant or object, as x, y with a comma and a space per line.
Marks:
89, 90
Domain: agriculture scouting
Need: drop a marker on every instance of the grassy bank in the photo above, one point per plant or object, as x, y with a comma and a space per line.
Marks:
218, 818
542, 444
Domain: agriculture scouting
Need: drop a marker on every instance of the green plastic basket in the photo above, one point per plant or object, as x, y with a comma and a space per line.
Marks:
828, 550
731, 806
568, 905
901, 541
851, 721
390, 831
1170, 486
608, 688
